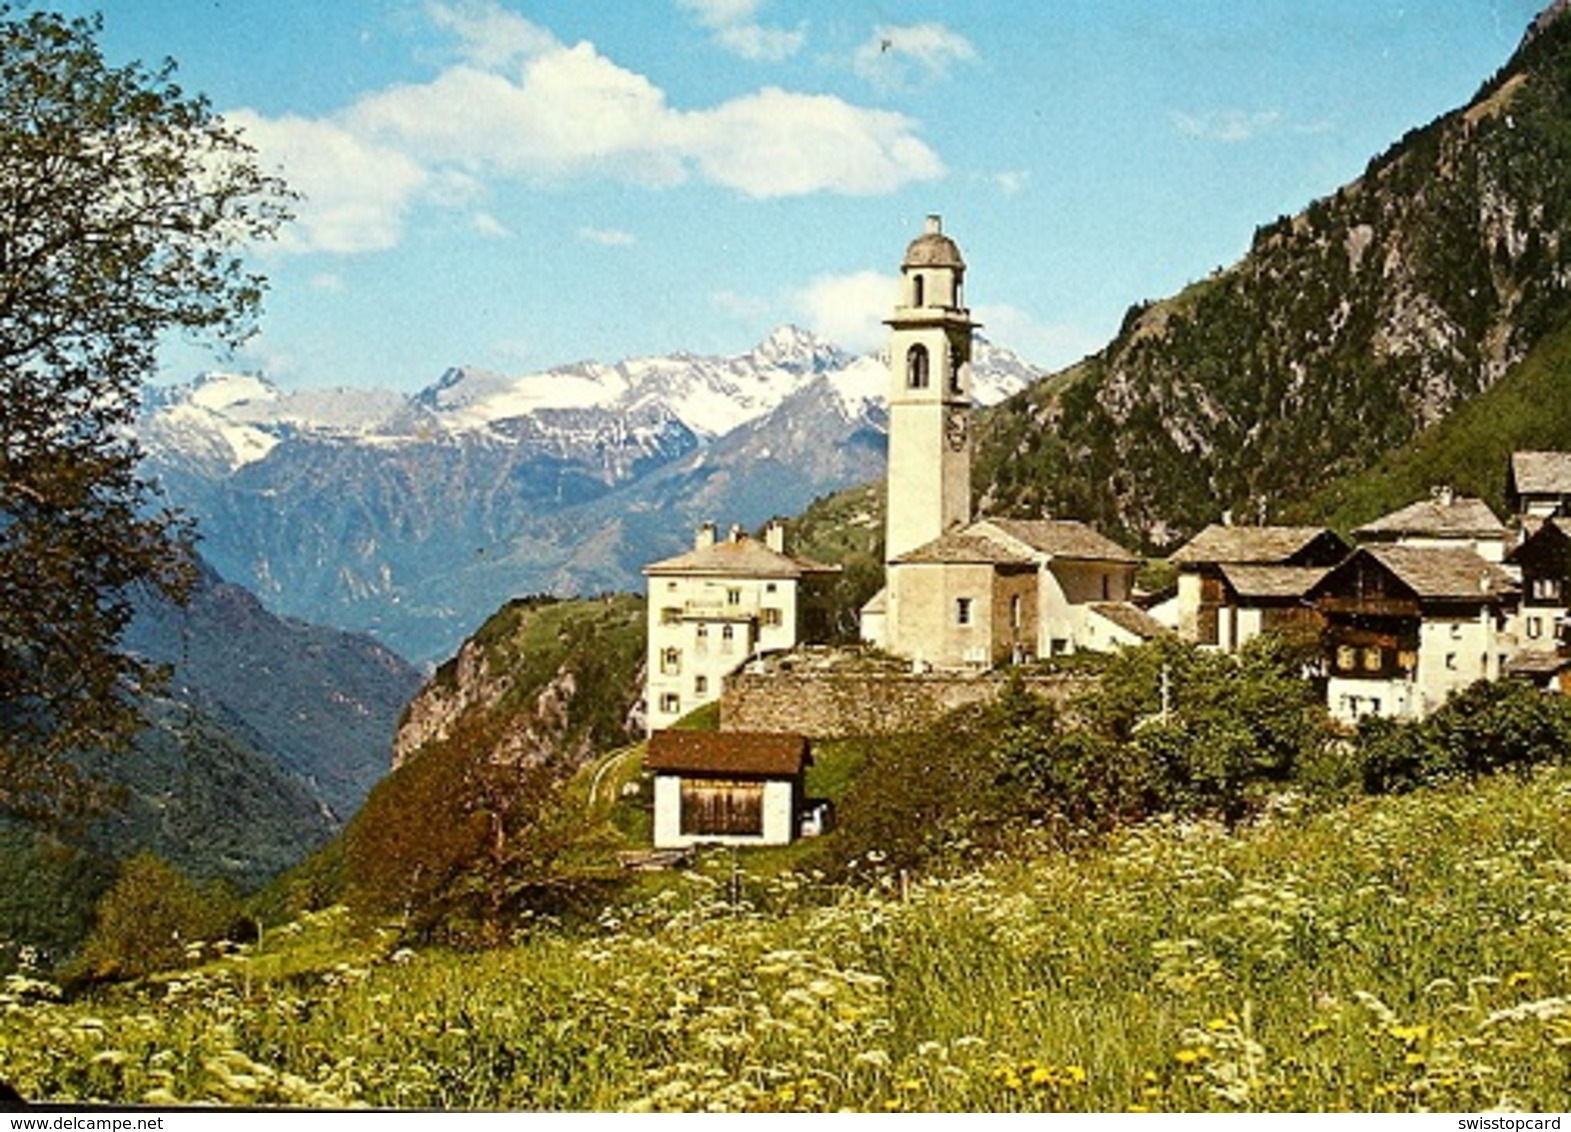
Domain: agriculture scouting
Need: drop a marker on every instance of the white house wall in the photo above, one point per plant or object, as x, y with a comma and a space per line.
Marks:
779, 814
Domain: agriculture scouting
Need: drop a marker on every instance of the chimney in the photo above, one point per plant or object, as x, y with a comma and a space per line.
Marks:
1445, 494
736, 532
705, 537
935, 224
774, 536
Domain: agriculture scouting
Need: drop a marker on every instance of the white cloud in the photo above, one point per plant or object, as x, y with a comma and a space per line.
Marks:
736, 29
488, 225
525, 107
328, 282
607, 237
1010, 181
1050, 345
895, 54
778, 143
489, 35
849, 310
1225, 125
355, 192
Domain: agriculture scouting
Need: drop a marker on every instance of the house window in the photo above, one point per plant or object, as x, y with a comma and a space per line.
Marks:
1546, 589
703, 631
1451, 661
1535, 627
670, 615
1456, 630
770, 587
733, 597
1372, 660
671, 662
916, 367
670, 586
1346, 658
670, 703
700, 685
722, 807
770, 618
962, 611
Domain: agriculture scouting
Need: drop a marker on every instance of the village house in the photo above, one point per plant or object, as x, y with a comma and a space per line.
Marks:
1445, 519
1408, 625
1538, 484
721, 603
1543, 623
726, 787
1235, 583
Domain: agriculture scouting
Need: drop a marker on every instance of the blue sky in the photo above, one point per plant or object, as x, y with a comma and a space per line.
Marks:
514, 184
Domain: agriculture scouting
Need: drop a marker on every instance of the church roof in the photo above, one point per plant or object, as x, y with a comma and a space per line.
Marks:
964, 546
740, 557
933, 249
1062, 538
1541, 473
1454, 516
773, 754
1260, 545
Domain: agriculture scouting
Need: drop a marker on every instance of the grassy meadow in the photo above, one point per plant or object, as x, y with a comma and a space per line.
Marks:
1396, 953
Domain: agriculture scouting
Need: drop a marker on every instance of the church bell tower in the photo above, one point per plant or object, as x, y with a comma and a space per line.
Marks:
929, 476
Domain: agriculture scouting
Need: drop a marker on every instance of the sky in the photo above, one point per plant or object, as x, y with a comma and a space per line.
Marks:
518, 184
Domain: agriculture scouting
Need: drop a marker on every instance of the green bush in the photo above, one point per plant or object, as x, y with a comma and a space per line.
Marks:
153, 918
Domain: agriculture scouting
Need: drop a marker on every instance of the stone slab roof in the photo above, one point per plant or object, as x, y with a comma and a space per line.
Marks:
1537, 664
1061, 538
1541, 473
965, 547
1259, 545
1254, 581
1460, 516
1131, 618
742, 557
755, 754
1443, 574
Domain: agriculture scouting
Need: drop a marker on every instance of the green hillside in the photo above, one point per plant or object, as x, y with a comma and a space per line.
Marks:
1399, 954
1346, 331
1527, 410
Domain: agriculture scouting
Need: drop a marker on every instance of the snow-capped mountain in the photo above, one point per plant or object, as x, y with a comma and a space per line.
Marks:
413, 517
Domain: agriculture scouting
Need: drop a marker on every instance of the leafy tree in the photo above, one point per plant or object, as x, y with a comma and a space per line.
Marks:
149, 920
125, 209
1488, 727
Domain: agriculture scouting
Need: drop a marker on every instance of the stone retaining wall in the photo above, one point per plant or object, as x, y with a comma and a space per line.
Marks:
831, 705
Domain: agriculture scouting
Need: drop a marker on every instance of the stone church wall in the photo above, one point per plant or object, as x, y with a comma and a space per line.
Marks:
831, 705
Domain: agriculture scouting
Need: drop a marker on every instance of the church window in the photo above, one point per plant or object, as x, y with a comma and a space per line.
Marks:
1014, 611
962, 611
955, 362
916, 367
917, 293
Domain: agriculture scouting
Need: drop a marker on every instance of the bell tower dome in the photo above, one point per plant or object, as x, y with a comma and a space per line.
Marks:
929, 477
